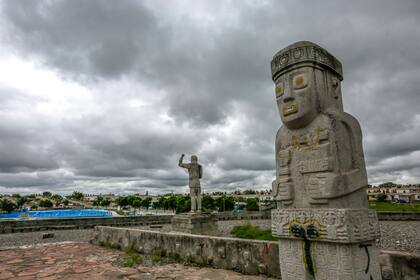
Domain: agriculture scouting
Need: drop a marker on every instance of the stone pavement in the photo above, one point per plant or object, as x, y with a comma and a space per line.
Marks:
86, 261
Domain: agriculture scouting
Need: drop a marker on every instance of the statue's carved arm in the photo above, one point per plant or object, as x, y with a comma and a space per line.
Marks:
282, 187
180, 164
325, 185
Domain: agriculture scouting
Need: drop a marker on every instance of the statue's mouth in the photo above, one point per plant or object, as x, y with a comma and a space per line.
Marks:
290, 109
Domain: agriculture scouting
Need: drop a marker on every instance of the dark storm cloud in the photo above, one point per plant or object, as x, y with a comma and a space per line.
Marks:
93, 38
22, 148
213, 75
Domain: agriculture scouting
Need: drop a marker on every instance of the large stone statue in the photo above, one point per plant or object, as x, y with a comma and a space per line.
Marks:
320, 185
195, 172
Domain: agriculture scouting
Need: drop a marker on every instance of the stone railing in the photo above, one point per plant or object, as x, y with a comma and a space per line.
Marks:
10, 226
246, 256
248, 215
399, 216
80, 223
399, 265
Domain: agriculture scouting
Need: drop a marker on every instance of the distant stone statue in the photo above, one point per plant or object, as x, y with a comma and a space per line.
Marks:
325, 228
195, 172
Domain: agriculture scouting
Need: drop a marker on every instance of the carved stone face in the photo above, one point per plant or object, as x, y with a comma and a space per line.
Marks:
296, 97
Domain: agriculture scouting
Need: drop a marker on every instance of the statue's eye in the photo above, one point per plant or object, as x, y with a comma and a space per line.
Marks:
299, 81
279, 90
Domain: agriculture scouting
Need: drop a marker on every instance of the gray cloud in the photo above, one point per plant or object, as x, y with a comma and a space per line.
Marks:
204, 71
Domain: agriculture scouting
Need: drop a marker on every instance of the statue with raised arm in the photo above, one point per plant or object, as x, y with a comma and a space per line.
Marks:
195, 172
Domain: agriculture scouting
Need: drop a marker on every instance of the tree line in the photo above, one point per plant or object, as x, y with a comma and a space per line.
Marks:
175, 202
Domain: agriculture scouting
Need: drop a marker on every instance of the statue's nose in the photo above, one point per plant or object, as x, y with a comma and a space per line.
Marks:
287, 96
288, 99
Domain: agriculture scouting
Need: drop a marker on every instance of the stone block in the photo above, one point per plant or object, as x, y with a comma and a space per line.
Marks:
345, 225
47, 235
195, 223
328, 261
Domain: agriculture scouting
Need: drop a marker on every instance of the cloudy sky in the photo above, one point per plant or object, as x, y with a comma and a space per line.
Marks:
104, 96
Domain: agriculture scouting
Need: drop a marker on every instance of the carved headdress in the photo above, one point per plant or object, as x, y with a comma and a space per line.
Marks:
304, 52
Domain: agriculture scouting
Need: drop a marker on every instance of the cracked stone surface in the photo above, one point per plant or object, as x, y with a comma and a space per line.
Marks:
86, 261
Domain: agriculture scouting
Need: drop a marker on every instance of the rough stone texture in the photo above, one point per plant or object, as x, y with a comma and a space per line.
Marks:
62, 261
182, 272
246, 256
195, 223
398, 265
195, 172
32, 238
321, 180
249, 256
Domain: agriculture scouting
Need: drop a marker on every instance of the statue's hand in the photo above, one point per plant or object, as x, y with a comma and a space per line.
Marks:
282, 191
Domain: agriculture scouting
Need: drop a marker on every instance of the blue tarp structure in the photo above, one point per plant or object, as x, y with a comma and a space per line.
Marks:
49, 214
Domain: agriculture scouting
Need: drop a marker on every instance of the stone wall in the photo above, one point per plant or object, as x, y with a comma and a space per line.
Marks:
246, 256
399, 265
80, 223
399, 216
249, 215
75, 223
11, 226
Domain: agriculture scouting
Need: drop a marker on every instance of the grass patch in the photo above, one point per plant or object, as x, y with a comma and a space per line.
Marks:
249, 231
115, 246
175, 257
120, 212
132, 258
157, 255
394, 207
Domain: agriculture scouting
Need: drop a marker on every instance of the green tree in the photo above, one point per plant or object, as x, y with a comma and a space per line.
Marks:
136, 203
122, 201
208, 203
46, 203
77, 196
46, 194
65, 202
7, 205
20, 201
252, 204
98, 200
225, 203
146, 202
387, 185
57, 198
170, 202
161, 202
183, 203
105, 203
381, 198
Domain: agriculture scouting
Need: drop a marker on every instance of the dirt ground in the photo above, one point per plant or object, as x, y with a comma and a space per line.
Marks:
69, 260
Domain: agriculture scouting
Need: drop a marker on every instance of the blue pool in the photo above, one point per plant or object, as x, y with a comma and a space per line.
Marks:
54, 214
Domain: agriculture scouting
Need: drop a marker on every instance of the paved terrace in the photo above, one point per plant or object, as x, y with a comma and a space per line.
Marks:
86, 261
